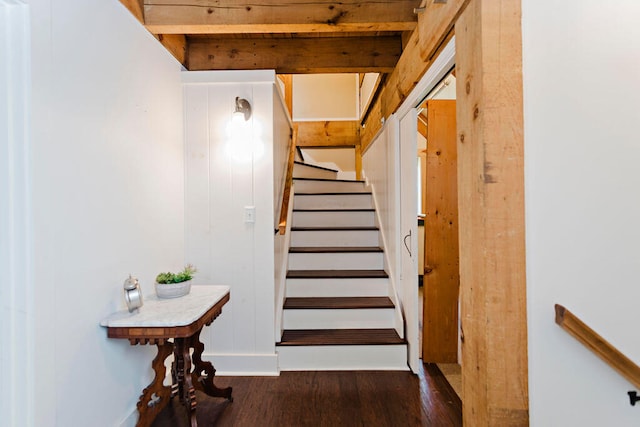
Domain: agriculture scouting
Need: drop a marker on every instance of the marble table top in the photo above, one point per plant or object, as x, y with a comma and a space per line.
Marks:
169, 312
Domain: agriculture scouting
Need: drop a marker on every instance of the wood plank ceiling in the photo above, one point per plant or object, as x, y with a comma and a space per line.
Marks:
289, 36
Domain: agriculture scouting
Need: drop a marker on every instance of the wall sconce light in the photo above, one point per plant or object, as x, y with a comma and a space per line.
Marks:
243, 109
243, 142
239, 125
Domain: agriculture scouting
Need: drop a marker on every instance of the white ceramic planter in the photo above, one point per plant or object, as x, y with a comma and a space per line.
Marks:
173, 290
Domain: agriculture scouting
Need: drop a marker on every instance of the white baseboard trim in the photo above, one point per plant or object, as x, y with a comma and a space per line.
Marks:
244, 364
131, 419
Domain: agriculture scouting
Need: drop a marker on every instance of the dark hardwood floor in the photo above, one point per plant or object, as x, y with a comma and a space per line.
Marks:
350, 398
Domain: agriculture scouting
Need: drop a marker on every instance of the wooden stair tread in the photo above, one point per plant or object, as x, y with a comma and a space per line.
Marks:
328, 179
300, 337
332, 228
333, 249
337, 274
338, 303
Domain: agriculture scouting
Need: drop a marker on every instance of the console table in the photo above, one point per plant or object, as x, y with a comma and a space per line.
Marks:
173, 325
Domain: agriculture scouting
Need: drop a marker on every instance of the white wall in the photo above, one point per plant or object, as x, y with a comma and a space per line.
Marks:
107, 179
581, 91
226, 249
380, 168
445, 90
366, 91
282, 138
325, 97
16, 289
341, 159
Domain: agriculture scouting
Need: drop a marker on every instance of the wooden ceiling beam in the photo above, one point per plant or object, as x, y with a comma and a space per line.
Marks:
435, 24
278, 28
136, 7
328, 134
296, 56
422, 125
276, 16
176, 44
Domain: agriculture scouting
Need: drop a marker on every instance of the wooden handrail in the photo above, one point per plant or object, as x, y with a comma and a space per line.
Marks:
288, 182
598, 345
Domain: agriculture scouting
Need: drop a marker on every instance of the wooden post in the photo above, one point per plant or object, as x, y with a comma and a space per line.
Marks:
491, 206
287, 79
358, 165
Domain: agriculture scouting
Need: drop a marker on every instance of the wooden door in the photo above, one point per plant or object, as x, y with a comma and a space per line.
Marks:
409, 234
441, 276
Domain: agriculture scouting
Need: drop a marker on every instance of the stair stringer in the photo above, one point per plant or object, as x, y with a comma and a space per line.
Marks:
393, 292
281, 280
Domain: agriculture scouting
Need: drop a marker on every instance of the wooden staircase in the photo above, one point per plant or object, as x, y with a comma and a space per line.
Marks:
338, 313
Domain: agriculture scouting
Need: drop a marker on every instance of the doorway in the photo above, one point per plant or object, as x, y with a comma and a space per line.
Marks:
441, 277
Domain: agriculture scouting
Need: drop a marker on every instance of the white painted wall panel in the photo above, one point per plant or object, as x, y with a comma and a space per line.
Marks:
197, 186
582, 208
16, 290
282, 139
264, 191
107, 194
381, 169
231, 251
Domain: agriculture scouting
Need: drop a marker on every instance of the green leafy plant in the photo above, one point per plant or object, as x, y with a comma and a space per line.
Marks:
181, 276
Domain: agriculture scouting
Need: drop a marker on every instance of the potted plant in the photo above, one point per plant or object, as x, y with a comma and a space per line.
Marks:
174, 285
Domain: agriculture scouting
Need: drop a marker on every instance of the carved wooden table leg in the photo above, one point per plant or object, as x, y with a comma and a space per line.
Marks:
156, 396
151, 328
177, 373
187, 389
204, 372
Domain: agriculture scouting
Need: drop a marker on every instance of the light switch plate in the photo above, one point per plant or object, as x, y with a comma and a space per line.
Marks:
250, 214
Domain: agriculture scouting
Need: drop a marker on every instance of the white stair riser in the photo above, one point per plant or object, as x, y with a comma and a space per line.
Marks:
342, 358
353, 318
334, 218
336, 261
303, 171
335, 238
303, 186
332, 201
337, 288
